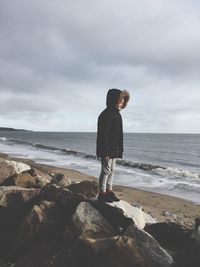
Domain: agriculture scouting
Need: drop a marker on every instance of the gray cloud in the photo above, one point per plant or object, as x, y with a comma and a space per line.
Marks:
60, 57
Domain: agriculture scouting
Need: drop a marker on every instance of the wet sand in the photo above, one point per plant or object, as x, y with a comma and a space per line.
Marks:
161, 207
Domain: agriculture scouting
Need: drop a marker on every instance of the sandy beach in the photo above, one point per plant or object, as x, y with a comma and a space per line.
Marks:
161, 207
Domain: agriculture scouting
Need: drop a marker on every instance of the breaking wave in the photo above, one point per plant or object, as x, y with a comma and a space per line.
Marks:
163, 171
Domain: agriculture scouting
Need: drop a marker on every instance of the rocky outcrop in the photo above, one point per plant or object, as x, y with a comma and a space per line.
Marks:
196, 231
149, 248
137, 247
40, 221
139, 217
61, 180
9, 168
120, 214
55, 222
42, 178
15, 196
86, 188
89, 223
25, 180
6, 170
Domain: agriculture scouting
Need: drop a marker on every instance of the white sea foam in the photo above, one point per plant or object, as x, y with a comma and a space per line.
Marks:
3, 138
166, 181
178, 174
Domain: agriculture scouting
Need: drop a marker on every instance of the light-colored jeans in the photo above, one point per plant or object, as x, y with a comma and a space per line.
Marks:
106, 175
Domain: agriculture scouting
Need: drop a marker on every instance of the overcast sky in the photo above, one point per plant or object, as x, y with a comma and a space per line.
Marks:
59, 58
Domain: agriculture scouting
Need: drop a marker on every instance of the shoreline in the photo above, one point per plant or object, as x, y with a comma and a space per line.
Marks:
161, 207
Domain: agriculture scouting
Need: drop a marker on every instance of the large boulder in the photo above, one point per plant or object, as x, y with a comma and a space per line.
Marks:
42, 178
10, 223
15, 196
6, 170
120, 214
61, 180
41, 220
178, 239
87, 222
114, 215
63, 197
170, 234
134, 248
19, 167
121, 251
149, 247
60, 195
9, 168
196, 232
24, 180
139, 217
86, 188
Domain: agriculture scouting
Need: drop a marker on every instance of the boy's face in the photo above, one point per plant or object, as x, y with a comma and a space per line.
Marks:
120, 104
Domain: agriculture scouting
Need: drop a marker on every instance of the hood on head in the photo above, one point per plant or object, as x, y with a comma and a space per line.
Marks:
114, 95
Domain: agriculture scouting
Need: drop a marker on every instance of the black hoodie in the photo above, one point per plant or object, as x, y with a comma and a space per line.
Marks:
110, 128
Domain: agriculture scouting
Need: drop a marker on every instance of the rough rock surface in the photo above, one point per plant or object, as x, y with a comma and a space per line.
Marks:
86, 188
63, 226
89, 222
15, 196
61, 180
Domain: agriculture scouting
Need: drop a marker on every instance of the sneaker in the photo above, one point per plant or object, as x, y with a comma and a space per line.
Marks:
112, 195
105, 197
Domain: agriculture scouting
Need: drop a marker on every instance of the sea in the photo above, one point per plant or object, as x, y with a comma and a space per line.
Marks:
164, 163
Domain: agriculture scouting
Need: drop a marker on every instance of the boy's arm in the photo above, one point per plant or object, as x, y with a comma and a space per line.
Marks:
105, 125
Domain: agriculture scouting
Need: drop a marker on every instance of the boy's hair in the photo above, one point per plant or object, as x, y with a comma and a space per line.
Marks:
115, 95
126, 96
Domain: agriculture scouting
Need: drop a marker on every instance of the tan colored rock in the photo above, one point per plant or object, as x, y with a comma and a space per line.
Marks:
6, 170
61, 180
9, 168
139, 217
40, 221
89, 223
15, 196
135, 248
86, 188
25, 180
18, 166
42, 178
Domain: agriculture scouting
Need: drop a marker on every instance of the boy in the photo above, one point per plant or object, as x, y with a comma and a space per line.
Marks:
110, 141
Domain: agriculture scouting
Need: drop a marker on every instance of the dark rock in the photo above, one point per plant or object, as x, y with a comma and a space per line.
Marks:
25, 180
170, 234
61, 180
42, 178
197, 223
177, 239
87, 222
134, 248
86, 188
63, 197
114, 215
6, 170
11, 220
15, 196
9, 168
149, 247
40, 221
46, 253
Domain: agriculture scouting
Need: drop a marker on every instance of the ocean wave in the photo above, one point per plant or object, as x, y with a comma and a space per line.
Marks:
185, 187
4, 139
139, 165
168, 172
178, 174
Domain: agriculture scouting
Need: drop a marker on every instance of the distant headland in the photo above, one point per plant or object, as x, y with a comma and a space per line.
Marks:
11, 129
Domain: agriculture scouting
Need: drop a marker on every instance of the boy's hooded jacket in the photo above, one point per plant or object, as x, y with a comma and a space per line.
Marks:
110, 128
